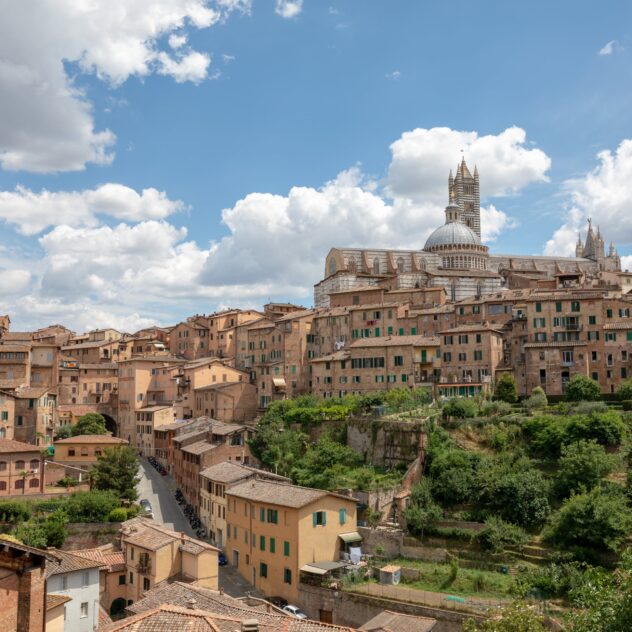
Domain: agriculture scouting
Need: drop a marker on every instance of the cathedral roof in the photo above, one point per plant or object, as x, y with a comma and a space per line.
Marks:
452, 233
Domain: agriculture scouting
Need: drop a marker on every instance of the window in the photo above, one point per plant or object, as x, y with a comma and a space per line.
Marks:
567, 357
262, 542
64, 582
262, 514
85, 579
3, 466
575, 306
558, 307
592, 320
19, 465
34, 482
286, 548
319, 518
287, 576
131, 554
538, 307
272, 545
121, 580
478, 338
608, 313
273, 516
146, 583
398, 360
19, 484
84, 609
478, 355
611, 336
342, 516
131, 578
71, 452
263, 569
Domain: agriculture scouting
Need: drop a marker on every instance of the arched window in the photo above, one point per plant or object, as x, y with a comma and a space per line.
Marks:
352, 265
400, 264
3, 433
84, 451
332, 266
34, 482
3, 466
35, 464
19, 484
376, 266
19, 465
3, 486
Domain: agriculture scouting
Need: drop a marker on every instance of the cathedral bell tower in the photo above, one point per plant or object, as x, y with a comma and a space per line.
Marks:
464, 189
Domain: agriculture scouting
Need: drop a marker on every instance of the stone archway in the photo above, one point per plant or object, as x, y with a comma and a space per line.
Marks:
111, 424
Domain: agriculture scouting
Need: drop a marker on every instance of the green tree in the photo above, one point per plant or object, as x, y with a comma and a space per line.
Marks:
31, 533
454, 474
506, 389
603, 601
499, 534
460, 408
582, 465
595, 520
581, 388
93, 506
117, 469
423, 512
624, 392
518, 617
537, 399
90, 424
54, 527
63, 432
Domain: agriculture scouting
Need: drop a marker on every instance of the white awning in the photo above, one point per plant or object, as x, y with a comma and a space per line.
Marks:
278, 382
352, 536
314, 570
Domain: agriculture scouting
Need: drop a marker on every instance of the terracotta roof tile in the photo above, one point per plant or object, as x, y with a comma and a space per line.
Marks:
101, 439
52, 600
70, 562
277, 493
9, 445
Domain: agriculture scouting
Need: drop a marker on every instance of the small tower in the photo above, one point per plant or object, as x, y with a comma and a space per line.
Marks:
579, 246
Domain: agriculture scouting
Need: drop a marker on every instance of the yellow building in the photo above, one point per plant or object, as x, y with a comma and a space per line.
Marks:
154, 554
83, 451
214, 481
275, 529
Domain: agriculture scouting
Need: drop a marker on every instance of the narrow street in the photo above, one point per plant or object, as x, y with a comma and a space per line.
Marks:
158, 490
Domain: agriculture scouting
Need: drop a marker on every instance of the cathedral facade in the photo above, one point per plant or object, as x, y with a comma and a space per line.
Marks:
454, 258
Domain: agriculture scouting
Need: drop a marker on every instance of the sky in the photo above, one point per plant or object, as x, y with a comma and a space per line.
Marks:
165, 158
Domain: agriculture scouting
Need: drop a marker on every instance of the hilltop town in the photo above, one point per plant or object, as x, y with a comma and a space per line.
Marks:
444, 433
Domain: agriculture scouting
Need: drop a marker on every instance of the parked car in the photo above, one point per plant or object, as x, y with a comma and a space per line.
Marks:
221, 559
145, 509
295, 611
279, 602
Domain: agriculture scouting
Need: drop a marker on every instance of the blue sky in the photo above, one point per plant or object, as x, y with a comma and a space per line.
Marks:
272, 105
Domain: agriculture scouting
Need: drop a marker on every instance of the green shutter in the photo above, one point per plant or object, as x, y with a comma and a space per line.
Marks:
343, 516
413, 331
272, 545
389, 331
314, 519
324, 518
377, 332
286, 548
262, 514
262, 542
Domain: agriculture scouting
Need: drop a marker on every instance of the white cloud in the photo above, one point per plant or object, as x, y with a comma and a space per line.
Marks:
177, 41
394, 76
288, 8
227, 59
32, 212
602, 194
14, 281
275, 245
47, 123
190, 67
612, 46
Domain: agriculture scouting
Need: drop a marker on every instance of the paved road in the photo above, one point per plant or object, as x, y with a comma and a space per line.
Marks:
158, 490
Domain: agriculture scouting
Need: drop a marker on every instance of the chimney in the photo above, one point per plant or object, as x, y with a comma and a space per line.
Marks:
191, 603
250, 625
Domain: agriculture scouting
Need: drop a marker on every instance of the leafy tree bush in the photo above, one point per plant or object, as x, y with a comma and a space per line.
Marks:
599, 519
624, 392
93, 506
553, 581
67, 481
63, 432
498, 534
506, 389
603, 600
117, 515
517, 492
537, 400
588, 408
90, 424
454, 474
14, 511
460, 407
581, 466
581, 388
606, 427
117, 469
496, 409
518, 617
54, 527
423, 512
31, 533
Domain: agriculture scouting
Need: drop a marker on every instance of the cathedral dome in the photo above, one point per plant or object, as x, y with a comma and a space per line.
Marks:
452, 234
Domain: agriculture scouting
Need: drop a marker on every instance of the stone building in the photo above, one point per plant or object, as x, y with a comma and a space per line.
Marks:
454, 258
